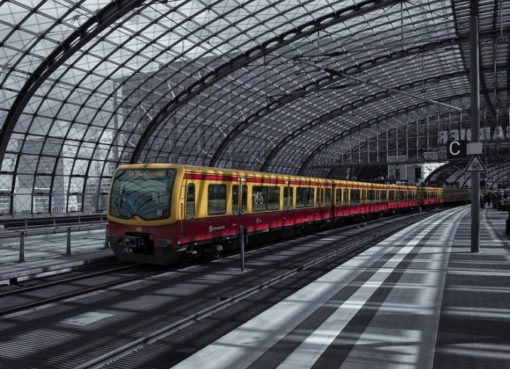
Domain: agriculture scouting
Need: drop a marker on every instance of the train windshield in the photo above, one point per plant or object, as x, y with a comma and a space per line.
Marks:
142, 192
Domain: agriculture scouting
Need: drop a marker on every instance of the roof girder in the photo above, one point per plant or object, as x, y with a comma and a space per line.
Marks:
250, 56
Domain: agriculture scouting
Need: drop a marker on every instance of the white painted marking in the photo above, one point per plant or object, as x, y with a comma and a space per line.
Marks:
314, 346
83, 320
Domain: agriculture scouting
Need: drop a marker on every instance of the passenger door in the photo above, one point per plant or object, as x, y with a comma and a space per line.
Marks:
239, 203
189, 230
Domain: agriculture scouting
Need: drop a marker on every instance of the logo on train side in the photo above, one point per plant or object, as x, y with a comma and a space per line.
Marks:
218, 228
258, 198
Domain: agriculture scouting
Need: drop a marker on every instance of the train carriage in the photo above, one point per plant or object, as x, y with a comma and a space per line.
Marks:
158, 212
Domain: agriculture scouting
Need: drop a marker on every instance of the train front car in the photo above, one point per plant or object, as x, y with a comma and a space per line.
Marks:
142, 213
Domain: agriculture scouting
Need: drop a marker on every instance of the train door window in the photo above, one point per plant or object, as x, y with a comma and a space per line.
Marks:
244, 199
355, 196
190, 201
345, 196
287, 198
235, 199
273, 198
258, 198
216, 199
310, 197
327, 197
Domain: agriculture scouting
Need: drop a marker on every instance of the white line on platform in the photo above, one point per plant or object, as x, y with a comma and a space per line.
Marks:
241, 347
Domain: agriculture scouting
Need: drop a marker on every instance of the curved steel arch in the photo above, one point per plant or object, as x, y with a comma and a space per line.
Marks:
253, 54
375, 62
88, 30
351, 107
371, 123
274, 105
312, 87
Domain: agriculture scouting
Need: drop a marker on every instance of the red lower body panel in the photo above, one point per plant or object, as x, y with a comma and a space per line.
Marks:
163, 244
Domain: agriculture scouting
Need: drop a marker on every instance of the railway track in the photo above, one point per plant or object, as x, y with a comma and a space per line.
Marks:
15, 300
41, 294
333, 255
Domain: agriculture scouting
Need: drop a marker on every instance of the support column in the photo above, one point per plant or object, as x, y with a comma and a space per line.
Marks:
474, 76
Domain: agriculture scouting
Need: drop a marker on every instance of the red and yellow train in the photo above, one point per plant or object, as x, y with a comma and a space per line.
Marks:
159, 212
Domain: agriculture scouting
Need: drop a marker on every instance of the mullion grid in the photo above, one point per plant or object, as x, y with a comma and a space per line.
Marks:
171, 132
365, 20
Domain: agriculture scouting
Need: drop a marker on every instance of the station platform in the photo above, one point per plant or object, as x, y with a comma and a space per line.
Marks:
45, 253
419, 299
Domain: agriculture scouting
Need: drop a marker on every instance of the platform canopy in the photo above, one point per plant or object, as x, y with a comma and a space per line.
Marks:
282, 86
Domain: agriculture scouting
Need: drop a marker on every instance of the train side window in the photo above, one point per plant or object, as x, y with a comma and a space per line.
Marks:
338, 196
371, 196
190, 202
345, 196
216, 199
304, 197
327, 197
392, 195
401, 195
235, 199
258, 198
355, 196
383, 196
273, 198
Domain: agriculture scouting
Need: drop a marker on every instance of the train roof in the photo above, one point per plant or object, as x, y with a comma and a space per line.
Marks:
240, 172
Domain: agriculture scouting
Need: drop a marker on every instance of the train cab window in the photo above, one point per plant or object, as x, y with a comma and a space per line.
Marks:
304, 197
355, 196
216, 199
338, 196
287, 198
327, 197
190, 201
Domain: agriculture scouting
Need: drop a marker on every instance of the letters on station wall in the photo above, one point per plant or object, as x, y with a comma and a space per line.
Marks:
487, 134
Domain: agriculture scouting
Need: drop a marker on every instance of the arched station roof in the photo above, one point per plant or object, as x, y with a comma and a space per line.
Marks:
259, 84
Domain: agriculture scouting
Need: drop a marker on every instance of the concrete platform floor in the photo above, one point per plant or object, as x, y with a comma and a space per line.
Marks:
419, 299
